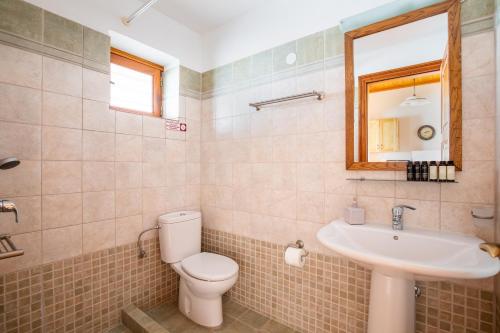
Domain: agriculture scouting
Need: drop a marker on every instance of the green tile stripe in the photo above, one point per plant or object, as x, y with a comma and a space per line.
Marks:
32, 28
326, 46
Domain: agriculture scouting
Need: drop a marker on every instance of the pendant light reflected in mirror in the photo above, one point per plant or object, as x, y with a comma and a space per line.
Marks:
415, 100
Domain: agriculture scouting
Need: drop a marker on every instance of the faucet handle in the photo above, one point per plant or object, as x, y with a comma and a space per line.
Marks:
398, 210
7, 206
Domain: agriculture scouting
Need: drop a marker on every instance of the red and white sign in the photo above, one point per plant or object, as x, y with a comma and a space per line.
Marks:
175, 125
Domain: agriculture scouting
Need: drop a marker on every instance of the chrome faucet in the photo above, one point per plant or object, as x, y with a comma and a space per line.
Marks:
397, 216
7, 206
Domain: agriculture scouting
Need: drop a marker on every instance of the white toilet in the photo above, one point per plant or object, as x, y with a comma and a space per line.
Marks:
204, 277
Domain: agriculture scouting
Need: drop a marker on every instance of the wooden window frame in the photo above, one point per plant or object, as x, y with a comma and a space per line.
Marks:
133, 62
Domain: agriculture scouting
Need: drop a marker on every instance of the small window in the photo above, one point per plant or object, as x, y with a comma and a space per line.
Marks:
135, 84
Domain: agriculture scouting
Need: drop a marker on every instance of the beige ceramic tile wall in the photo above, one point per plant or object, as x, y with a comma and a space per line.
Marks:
279, 174
90, 178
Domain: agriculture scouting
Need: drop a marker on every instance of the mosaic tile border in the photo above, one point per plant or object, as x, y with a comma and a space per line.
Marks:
85, 293
331, 294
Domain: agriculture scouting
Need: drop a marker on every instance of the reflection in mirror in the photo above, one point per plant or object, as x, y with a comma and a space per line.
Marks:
401, 97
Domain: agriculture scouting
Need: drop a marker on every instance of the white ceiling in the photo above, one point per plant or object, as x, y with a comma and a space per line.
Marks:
202, 16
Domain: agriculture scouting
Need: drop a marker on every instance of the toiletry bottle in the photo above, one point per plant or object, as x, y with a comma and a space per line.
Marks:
433, 171
354, 214
417, 170
409, 172
442, 171
450, 171
425, 171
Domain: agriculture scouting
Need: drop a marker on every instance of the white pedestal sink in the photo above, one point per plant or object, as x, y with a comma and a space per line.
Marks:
397, 257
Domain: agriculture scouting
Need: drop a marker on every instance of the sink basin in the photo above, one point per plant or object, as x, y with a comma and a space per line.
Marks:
397, 258
418, 252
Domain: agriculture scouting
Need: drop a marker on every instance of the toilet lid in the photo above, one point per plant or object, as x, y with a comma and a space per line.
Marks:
209, 266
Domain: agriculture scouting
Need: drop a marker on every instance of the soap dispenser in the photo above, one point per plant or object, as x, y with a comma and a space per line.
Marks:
354, 214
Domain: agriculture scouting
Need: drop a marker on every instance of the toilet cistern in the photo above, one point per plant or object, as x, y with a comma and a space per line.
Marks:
397, 216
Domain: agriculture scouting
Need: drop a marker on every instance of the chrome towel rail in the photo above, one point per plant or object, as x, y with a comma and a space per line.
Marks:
259, 105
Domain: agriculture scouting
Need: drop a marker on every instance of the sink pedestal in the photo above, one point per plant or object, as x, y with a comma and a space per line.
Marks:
392, 304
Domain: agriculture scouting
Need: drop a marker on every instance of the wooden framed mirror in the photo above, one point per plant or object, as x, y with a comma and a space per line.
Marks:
404, 90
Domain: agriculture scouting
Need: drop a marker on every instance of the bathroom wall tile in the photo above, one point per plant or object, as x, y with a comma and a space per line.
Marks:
153, 200
96, 86
31, 244
282, 204
153, 174
311, 147
97, 116
335, 205
285, 148
61, 210
310, 49
61, 110
128, 123
261, 150
284, 176
335, 146
98, 176
176, 174
207, 81
62, 77
22, 19
376, 189
478, 55
224, 128
98, 206
22, 141
175, 198
334, 42
310, 177
478, 139
61, 144
426, 215
24, 180
128, 148
193, 151
189, 79
29, 221
20, 104
455, 217
478, 99
223, 76
62, 33
193, 108
20, 67
335, 179
128, 175
98, 146
98, 236
262, 64
335, 83
60, 177
279, 56
476, 8
153, 127
224, 174
261, 124
418, 191
474, 184
311, 206
242, 70
128, 202
127, 229
96, 46
175, 151
377, 210
61, 243
153, 150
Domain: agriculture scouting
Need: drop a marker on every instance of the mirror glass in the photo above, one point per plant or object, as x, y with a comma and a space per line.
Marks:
400, 97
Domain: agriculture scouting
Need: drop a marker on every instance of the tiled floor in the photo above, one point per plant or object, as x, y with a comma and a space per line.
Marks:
237, 319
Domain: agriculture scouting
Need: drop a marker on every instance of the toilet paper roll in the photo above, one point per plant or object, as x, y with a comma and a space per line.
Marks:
295, 257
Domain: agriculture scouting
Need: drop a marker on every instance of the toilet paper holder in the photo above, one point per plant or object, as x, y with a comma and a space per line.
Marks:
299, 244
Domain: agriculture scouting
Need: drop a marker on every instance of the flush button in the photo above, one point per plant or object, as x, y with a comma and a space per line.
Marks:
395, 237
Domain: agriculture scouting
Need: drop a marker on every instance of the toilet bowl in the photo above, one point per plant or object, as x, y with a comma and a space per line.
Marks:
204, 277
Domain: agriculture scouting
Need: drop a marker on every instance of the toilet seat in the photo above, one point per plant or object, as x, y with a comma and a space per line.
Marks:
209, 267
